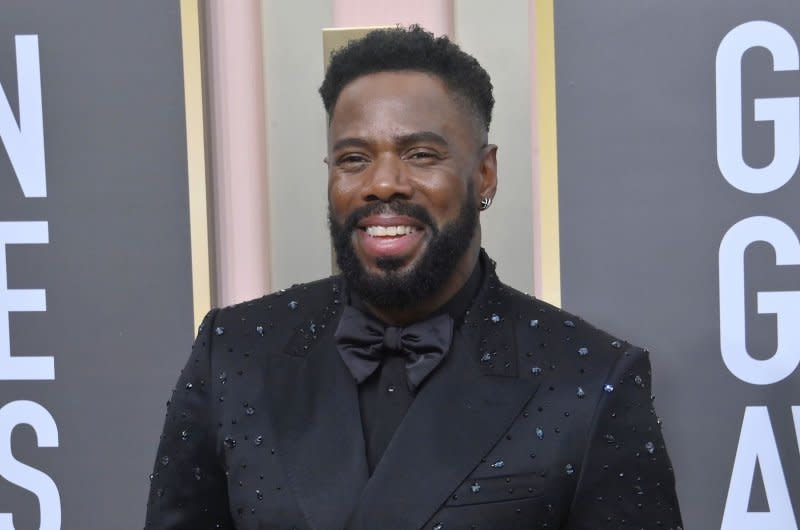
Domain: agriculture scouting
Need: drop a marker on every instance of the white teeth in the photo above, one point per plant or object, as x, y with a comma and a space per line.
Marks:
383, 231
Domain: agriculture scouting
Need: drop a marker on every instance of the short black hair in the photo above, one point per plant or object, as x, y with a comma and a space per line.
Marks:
415, 49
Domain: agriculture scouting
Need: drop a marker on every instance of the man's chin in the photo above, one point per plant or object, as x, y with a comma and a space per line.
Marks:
386, 269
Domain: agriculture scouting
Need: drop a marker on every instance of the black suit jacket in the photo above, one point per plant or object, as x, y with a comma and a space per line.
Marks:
535, 420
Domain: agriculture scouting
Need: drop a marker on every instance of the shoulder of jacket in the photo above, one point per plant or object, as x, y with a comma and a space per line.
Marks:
292, 298
555, 327
279, 315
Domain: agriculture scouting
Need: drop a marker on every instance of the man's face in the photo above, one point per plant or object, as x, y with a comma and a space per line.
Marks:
406, 171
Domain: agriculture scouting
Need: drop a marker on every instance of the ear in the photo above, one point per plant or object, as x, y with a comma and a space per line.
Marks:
487, 172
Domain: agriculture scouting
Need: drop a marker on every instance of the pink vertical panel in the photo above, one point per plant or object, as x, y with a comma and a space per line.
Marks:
434, 15
238, 145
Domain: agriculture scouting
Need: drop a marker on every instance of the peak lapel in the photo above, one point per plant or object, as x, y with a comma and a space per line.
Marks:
455, 420
313, 404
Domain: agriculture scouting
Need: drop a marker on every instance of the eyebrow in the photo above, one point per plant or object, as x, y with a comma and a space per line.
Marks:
402, 140
350, 142
421, 136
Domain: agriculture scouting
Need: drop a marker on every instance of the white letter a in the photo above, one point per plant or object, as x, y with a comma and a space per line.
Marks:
757, 445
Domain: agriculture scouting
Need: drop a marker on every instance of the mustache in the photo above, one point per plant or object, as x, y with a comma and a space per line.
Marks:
393, 207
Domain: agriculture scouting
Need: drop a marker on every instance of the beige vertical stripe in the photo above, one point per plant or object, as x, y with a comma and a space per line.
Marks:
434, 15
499, 38
546, 216
296, 142
196, 158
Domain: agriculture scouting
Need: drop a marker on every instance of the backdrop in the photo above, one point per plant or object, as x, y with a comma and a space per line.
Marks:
678, 142
678, 135
95, 270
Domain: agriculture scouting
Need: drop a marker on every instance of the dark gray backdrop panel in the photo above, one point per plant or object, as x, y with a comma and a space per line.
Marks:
117, 268
644, 207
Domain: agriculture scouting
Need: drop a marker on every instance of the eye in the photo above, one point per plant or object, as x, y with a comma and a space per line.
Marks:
351, 161
423, 155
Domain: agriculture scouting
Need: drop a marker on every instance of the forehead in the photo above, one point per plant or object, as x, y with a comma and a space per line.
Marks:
396, 103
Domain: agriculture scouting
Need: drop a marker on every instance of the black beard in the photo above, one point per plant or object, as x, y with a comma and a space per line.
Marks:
400, 290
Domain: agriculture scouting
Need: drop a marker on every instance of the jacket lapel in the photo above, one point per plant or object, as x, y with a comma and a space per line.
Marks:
455, 420
313, 403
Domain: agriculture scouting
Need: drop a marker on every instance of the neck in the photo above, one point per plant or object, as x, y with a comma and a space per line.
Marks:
421, 310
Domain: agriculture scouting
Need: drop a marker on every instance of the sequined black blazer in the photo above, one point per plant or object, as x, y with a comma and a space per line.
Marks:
535, 420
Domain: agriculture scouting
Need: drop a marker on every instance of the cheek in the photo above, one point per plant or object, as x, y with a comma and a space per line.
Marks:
445, 197
341, 194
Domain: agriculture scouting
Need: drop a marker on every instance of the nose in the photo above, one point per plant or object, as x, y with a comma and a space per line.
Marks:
387, 180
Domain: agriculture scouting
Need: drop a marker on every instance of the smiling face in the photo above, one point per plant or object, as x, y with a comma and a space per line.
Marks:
407, 168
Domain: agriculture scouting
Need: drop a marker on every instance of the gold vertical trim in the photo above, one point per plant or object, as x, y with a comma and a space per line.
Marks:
196, 157
547, 206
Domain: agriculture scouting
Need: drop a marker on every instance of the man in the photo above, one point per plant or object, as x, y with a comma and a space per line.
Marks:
415, 390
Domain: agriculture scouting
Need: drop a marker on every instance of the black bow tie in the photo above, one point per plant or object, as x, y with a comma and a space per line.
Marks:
363, 342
